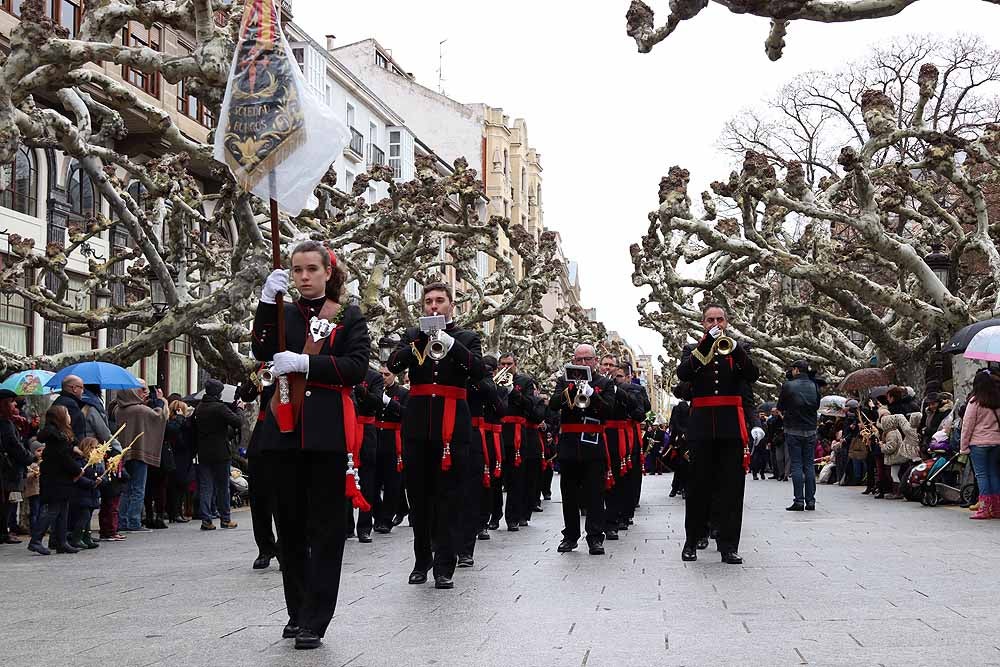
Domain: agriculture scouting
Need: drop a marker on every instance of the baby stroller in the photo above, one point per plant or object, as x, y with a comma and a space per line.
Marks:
239, 488
942, 477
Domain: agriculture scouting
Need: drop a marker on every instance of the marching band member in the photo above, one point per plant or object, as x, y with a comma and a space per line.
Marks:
633, 477
520, 411
485, 405
718, 370
436, 431
583, 454
389, 454
368, 399
621, 437
306, 438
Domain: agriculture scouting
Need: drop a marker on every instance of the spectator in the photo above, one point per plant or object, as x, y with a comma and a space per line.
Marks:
774, 437
70, 398
87, 497
14, 462
211, 423
95, 417
31, 486
900, 447
178, 437
798, 404
980, 439
138, 417
58, 473
116, 481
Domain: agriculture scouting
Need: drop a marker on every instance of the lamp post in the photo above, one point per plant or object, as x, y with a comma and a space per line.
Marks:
940, 264
386, 345
157, 297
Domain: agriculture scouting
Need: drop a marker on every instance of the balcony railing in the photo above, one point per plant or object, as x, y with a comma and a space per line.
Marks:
357, 145
376, 156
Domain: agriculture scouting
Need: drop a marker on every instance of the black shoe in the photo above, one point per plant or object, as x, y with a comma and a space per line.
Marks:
262, 563
566, 546
702, 543
10, 540
290, 631
398, 519
383, 530
364, 538
879, 496
38, 548
732, 558
795, 507
179, 519
76, 544
689, 553
755, 476
307, 639
596, 549
418, 577
493, 525
867, 492
611, 534
483, 534
443, 582
546, 496
465, 561
537, 508
623, 525
810, 507
523, 523
87, 540
66, 549
158, 524
673, 492
512, 527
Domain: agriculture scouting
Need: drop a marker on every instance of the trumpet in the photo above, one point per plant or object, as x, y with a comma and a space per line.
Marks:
435, 348
433, 325
266, 376
581, 401
504, 378
723, 346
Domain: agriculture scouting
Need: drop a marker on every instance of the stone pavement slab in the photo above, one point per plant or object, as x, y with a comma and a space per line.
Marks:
858, 582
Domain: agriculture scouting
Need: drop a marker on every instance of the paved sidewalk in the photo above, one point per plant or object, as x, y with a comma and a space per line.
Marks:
859, 582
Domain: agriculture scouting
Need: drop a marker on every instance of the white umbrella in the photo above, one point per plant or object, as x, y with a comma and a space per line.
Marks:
985, 345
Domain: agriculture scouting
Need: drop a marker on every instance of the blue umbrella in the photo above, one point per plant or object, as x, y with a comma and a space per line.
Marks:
109, 376
28, 383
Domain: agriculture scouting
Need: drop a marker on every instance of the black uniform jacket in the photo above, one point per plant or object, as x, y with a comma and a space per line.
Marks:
486, 402
723, 376
462, 364
342, 363
367, 401
600, 409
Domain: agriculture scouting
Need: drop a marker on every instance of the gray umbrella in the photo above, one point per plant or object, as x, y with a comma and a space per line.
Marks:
962, 337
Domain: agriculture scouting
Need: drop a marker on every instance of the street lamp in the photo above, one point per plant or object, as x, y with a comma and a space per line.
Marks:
386, 345
939, 263
158, 297
103, 295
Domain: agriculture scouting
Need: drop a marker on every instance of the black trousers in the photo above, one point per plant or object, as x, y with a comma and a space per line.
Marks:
513, 484
715, 491
435, 498
492, 508
582, 485
547, 476
387, 484
532, 471
368, 474
475, 497
262, 503
309, 490
635, 475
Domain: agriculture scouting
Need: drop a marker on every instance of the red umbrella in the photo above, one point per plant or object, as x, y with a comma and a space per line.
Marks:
866, 378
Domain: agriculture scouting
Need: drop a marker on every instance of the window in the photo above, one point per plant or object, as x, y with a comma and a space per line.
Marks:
412, 291
329, 95
396, 153
19, 182
381, 60
180, 367
11, 6
15, 320
79, 300
373, 133
66, 13
144, 368
81, 193
372, 195
506, 162
524, 182
300, 56
482, 264
350, 115
136, 35
349, 182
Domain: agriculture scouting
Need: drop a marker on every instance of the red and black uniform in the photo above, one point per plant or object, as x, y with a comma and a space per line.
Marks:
620, 498
717, 435
583, 457
309, 463
633, 479
518, 440
389, 456
533, 455
367, 401
483, 477
436, 442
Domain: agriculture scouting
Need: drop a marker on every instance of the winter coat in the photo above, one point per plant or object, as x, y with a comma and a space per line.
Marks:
980, 427
75, 409
58, 468
900, 443
14, 459
96, 420
140, 418
211, 422
799, 405
88, 493
180, 437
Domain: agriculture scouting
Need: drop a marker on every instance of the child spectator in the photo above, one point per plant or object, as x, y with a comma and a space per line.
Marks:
86, 499
58, 474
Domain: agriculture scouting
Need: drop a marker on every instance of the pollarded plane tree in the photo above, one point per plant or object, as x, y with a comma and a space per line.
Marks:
819, 245
208, 266
641, 23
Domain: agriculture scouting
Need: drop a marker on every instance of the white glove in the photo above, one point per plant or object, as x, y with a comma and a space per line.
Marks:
447, 340
290, 362
385, 399
276, 282
715, 332
586, 389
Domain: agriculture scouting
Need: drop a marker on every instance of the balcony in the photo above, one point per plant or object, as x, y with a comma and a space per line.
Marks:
376, 156
356, 149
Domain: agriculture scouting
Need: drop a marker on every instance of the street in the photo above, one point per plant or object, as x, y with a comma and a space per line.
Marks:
858, 582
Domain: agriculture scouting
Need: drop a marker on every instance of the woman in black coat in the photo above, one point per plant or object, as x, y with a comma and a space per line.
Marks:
327, 351
59, 473
179, 441
14, 462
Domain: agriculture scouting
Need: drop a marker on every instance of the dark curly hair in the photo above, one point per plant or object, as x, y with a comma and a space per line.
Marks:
335, 285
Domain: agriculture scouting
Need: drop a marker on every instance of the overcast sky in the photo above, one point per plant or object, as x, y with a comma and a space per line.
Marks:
607, 120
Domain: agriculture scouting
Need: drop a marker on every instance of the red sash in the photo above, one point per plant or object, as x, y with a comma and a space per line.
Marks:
518, 423
397, 427
541, 442
621, 425
451, 397
729, 402
609, 480
484, 428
